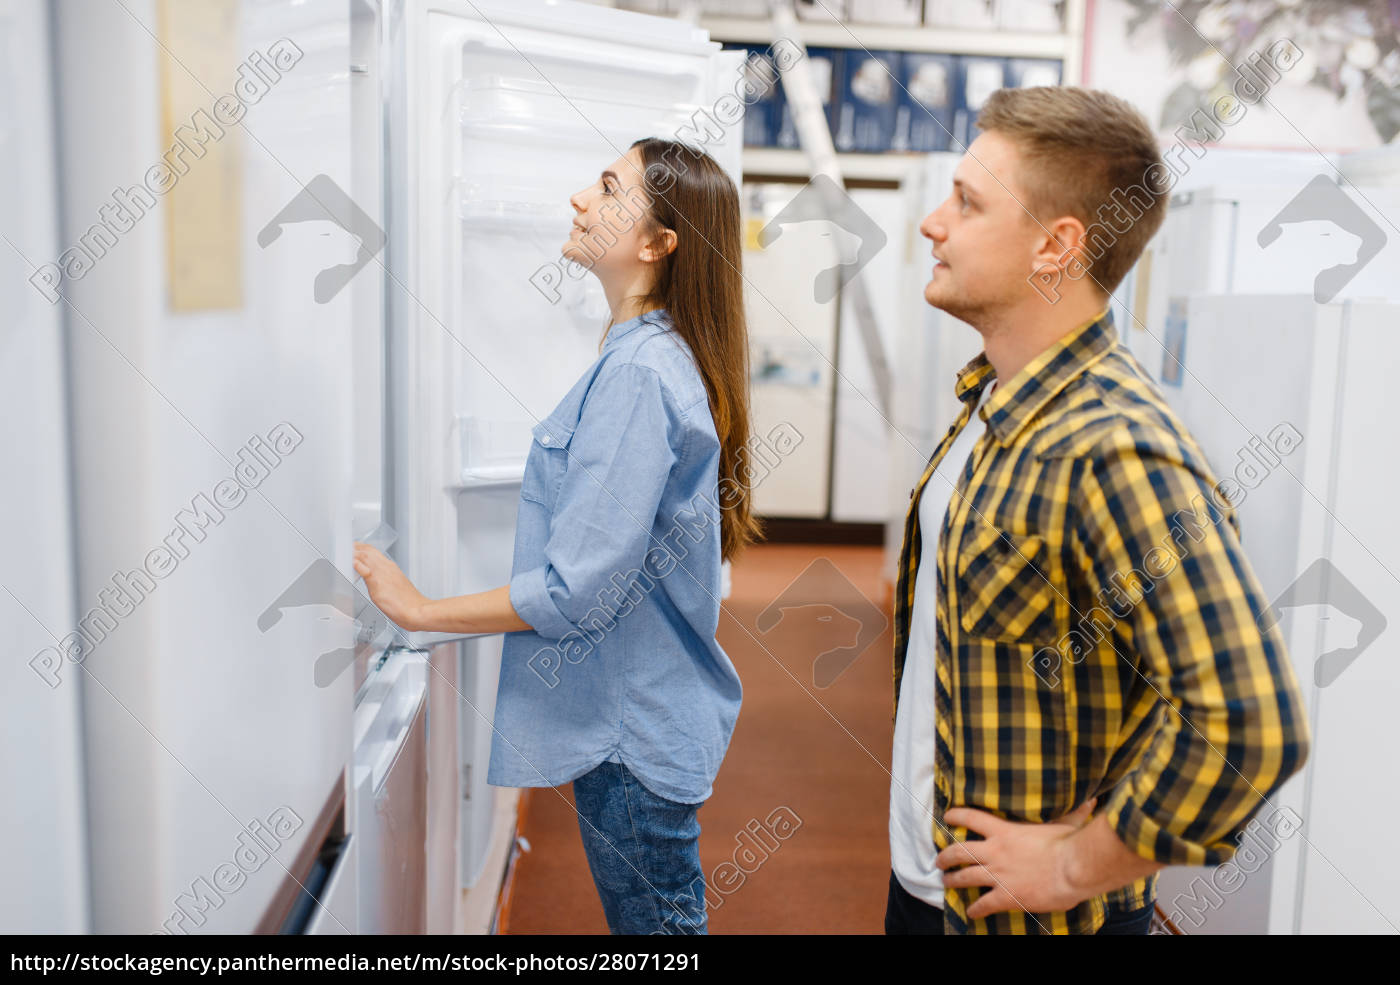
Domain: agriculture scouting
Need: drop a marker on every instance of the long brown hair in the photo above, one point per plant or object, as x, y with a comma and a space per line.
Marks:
700, 285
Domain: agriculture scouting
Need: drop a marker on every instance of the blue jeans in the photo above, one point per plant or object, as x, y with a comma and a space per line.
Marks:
644, 853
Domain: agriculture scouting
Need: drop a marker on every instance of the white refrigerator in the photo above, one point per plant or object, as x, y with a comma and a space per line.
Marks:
211, 433
865, 444
1254, 222
43, 829
496, 114
1265, 373
325, 330
1204, 313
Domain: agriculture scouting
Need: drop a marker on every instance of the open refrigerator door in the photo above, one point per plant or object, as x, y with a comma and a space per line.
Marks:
497, 114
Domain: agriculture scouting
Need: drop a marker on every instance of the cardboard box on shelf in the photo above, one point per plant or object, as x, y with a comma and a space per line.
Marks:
1023, 73
1031, 15
824, 64
901, 12
764, 115
924, 119
972, 15
867, 101
978, 78
735, 8
823, 10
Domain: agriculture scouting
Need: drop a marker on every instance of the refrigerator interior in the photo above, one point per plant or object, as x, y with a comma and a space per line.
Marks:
489, 139
496, 115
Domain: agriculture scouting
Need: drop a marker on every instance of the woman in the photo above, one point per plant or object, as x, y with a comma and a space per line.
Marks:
635, 488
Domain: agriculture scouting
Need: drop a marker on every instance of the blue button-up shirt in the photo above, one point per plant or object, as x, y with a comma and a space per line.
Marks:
617, 568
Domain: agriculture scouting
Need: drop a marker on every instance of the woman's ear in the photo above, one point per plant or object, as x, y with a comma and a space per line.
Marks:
661, 246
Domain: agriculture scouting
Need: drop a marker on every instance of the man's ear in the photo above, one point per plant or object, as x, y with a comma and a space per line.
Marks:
661, 246
1062, 244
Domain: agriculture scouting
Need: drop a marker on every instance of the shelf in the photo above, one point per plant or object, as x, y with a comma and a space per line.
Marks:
880, 37
490, 477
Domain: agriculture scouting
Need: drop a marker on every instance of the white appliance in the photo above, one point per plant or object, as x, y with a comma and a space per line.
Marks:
1259, 365
235, 711
863, 446
1248, 358
390, 779
1220, 236
43, 865
792, 343
498, 112
205, 729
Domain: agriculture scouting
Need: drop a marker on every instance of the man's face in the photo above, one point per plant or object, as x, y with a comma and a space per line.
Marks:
984, 239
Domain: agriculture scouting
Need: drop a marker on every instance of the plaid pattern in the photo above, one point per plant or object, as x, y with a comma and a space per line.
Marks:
1097, 626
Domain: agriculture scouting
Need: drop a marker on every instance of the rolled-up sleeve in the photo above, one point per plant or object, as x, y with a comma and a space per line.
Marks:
1235, 728
619, 460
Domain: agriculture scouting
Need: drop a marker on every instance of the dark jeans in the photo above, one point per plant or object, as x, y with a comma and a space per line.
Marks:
644, 853
907, 914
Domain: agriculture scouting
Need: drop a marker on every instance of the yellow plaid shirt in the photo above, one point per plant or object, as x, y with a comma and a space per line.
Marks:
1097, 626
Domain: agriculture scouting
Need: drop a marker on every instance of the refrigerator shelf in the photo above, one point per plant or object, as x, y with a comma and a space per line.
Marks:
486, 96
554, 132
511, 216
490, 478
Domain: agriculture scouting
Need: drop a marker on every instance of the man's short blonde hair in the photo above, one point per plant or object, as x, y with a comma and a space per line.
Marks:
1090, 155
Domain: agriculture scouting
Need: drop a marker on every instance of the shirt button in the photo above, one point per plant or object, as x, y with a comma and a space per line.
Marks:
545, 440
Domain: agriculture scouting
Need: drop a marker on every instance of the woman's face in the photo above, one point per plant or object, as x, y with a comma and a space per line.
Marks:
609, 234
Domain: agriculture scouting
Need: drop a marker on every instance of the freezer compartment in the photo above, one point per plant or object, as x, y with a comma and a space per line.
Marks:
323, 891
390, 792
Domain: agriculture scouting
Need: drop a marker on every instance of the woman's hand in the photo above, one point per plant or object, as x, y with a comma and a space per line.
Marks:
389, 588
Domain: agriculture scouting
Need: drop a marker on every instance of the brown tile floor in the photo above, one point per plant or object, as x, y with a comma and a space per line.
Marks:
822, 752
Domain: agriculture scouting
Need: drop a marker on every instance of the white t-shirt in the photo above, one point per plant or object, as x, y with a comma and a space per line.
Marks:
912, 851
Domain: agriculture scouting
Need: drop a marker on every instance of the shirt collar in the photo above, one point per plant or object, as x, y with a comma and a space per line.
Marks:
1016, 402
657, 316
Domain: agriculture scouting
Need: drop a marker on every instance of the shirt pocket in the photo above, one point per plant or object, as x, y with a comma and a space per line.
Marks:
547, 461
1005, 591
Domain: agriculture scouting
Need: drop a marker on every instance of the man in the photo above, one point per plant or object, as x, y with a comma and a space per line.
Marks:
1086, 694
